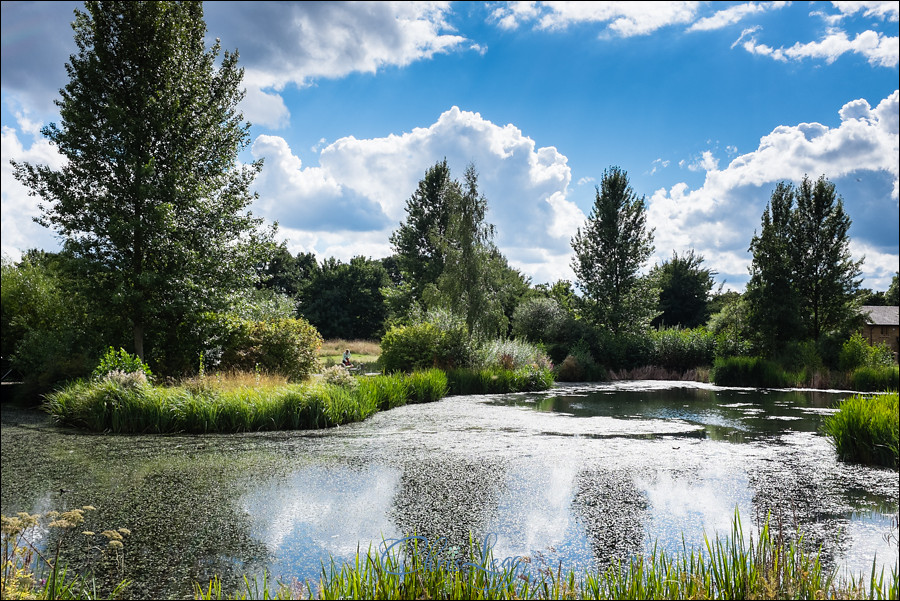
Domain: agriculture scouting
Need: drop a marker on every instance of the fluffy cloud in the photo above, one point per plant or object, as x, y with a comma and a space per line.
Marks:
733, 14
357, 195
719, 218
19, 231
285, 43
878, 49
622, 18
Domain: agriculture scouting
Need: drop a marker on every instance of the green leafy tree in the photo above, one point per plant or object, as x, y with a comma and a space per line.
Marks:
825, 275
471, 283
418, 243
772, 298
610, 250
152, 197
345, 300
892, 295
684, 289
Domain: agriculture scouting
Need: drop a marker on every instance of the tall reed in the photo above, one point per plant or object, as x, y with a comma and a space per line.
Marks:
730, 567
866, 429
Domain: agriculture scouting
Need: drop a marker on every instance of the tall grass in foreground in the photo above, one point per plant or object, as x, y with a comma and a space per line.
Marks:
866, 429
725, 568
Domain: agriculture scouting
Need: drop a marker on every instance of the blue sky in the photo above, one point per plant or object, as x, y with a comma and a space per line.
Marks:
706, 105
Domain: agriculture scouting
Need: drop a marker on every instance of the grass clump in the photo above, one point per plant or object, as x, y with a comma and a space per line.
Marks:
730, 567
749, 371
870, 379
866, 429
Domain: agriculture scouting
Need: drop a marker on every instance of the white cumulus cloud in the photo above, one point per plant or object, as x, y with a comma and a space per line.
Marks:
719, 218
621, 18
357, 194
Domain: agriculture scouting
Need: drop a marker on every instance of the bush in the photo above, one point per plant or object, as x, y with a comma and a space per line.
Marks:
866, 430
338, 375
539, 320
511, 355
120, 361
748, 371
579, 366
284, 346
857, 352
436, 341
681, 350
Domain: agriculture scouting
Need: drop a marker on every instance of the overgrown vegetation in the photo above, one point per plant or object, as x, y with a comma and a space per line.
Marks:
243, 402
866, 429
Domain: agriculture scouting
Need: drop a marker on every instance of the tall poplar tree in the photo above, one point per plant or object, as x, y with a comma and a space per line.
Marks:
152, 196
610, 250
826, 276
772, 298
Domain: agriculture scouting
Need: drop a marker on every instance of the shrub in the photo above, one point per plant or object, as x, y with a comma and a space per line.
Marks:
539, 320
511, 354
120, 361
871, 379
866, 430
579, 366
338, 376
748, 371
285, 346
437, 340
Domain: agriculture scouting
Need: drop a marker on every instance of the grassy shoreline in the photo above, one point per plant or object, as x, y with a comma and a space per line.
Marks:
248, 403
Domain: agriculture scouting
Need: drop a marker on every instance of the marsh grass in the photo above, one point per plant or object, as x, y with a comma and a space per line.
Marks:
866, 429
496, 380
730, 567
242, 402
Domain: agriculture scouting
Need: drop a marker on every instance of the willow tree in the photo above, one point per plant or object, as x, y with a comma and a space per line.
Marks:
152, 196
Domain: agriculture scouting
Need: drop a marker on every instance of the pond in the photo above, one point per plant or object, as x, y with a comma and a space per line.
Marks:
579, 476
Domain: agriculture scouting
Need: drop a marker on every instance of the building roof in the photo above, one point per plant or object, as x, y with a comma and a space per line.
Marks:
881, 316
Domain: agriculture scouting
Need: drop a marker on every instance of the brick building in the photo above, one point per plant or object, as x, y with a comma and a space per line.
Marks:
882, 325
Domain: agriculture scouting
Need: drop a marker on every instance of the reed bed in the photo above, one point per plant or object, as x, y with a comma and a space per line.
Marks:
495, 380
866, 429
247, 403
732, 567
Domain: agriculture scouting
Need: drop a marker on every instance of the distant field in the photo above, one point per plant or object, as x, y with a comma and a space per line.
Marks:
361, 351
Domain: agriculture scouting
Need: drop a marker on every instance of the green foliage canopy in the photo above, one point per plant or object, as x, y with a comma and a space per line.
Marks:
803, 282
610, 250
151, 196
684, 288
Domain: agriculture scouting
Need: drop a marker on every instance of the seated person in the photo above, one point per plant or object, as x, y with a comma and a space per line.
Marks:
346, 360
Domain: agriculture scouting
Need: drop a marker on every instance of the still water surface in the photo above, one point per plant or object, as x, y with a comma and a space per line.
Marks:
580, 475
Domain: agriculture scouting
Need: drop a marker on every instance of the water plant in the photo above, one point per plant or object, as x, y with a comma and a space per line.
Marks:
736, 566
866, 429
